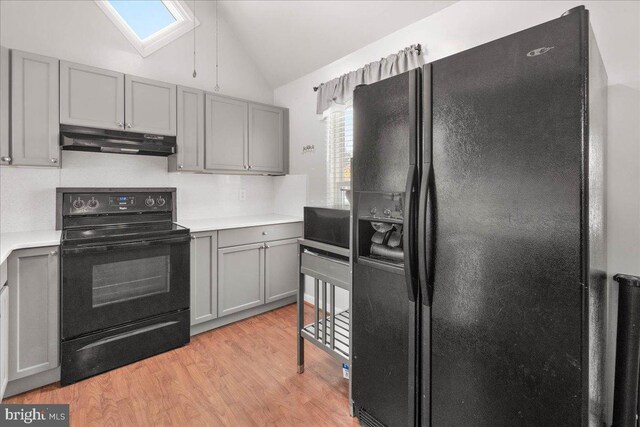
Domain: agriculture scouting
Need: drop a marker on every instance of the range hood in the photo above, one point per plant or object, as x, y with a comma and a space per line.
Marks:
80, 138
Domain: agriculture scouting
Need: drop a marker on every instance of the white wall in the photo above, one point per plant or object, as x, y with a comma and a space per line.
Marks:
79, 31
470, 23
28, 194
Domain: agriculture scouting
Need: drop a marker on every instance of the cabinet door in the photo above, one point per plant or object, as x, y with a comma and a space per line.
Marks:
204, 277
226, 134
5, 153
281, 269
34, 289
4, 340
240, 278
190, 138
91, 96
266, 142
150, 106
34, 110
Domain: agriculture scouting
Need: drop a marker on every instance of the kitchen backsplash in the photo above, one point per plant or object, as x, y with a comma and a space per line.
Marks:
27, 195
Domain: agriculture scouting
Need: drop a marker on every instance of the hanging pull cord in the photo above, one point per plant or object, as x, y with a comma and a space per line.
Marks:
194, 40
217, 88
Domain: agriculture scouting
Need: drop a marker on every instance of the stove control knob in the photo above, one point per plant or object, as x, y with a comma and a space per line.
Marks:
93, 203
149, 201
161, 201
78, 203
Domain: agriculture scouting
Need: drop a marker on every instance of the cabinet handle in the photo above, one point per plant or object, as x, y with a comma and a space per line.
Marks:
264, 233
53, 253
179, 166
6, 159
120, 124
129, 125
249, 167
52, 160
266, 246
193, 237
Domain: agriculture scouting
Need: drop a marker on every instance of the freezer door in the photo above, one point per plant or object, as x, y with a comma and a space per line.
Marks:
384, 290
507, 312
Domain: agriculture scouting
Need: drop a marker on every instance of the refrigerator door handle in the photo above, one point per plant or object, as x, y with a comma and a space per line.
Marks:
424, 271
408, 234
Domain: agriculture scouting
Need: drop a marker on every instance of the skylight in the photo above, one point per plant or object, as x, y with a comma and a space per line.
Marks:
144, 17
150, 24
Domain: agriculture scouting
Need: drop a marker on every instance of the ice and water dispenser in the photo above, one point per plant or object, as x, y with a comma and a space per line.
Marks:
380, 227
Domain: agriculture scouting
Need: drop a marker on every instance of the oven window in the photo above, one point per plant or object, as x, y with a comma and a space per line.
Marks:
126, 280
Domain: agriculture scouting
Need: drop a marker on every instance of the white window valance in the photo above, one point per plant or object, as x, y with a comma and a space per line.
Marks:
340, 89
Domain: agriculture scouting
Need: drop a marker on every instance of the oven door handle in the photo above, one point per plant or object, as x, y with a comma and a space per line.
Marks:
126, 245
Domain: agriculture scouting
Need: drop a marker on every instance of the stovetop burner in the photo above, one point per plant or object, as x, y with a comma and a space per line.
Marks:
95, 215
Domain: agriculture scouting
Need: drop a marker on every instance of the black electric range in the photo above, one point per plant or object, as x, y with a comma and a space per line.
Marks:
125, 277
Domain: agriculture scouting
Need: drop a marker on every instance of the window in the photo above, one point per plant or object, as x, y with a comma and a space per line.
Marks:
339, 120
151, 24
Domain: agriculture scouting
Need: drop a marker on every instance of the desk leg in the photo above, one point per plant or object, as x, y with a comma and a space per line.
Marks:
300, 317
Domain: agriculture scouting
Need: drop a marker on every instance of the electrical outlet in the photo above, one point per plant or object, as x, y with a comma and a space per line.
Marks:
243, 194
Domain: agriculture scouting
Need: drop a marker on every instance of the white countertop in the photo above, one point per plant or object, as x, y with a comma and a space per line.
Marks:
210, 224
26, 239
34, 239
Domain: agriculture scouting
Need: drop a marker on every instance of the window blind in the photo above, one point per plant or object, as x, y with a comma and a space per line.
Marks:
339, 153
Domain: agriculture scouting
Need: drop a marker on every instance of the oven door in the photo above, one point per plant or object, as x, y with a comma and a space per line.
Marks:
107, 285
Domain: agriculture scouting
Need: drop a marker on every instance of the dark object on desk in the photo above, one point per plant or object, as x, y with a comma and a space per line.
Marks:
328, 225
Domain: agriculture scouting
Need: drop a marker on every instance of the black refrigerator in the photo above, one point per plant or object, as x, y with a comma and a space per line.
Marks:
479, 276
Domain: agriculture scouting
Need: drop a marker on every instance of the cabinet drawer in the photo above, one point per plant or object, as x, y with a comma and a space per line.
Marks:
243, 236
334, 271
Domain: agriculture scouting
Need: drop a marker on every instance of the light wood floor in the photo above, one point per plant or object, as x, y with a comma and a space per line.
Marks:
243, 374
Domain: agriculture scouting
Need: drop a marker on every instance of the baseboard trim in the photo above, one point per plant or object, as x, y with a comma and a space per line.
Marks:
308, 300
241, 315
31, 382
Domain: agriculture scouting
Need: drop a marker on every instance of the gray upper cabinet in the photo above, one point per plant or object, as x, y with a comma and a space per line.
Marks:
34, 110
5, 153
281, 269
91, 96
240, 278
34, 289
266, 138
150, 106
190, 138
226, 134
204, 277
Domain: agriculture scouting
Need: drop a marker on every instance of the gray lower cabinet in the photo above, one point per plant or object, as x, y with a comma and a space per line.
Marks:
240, 278
266, 138
4, 339
204, 277
226, 141
34, 289
281, 269
34, 110
5, 152
91, 96
190, 134
150, 106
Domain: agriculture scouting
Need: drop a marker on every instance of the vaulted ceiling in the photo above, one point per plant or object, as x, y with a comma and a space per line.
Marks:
288, 39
